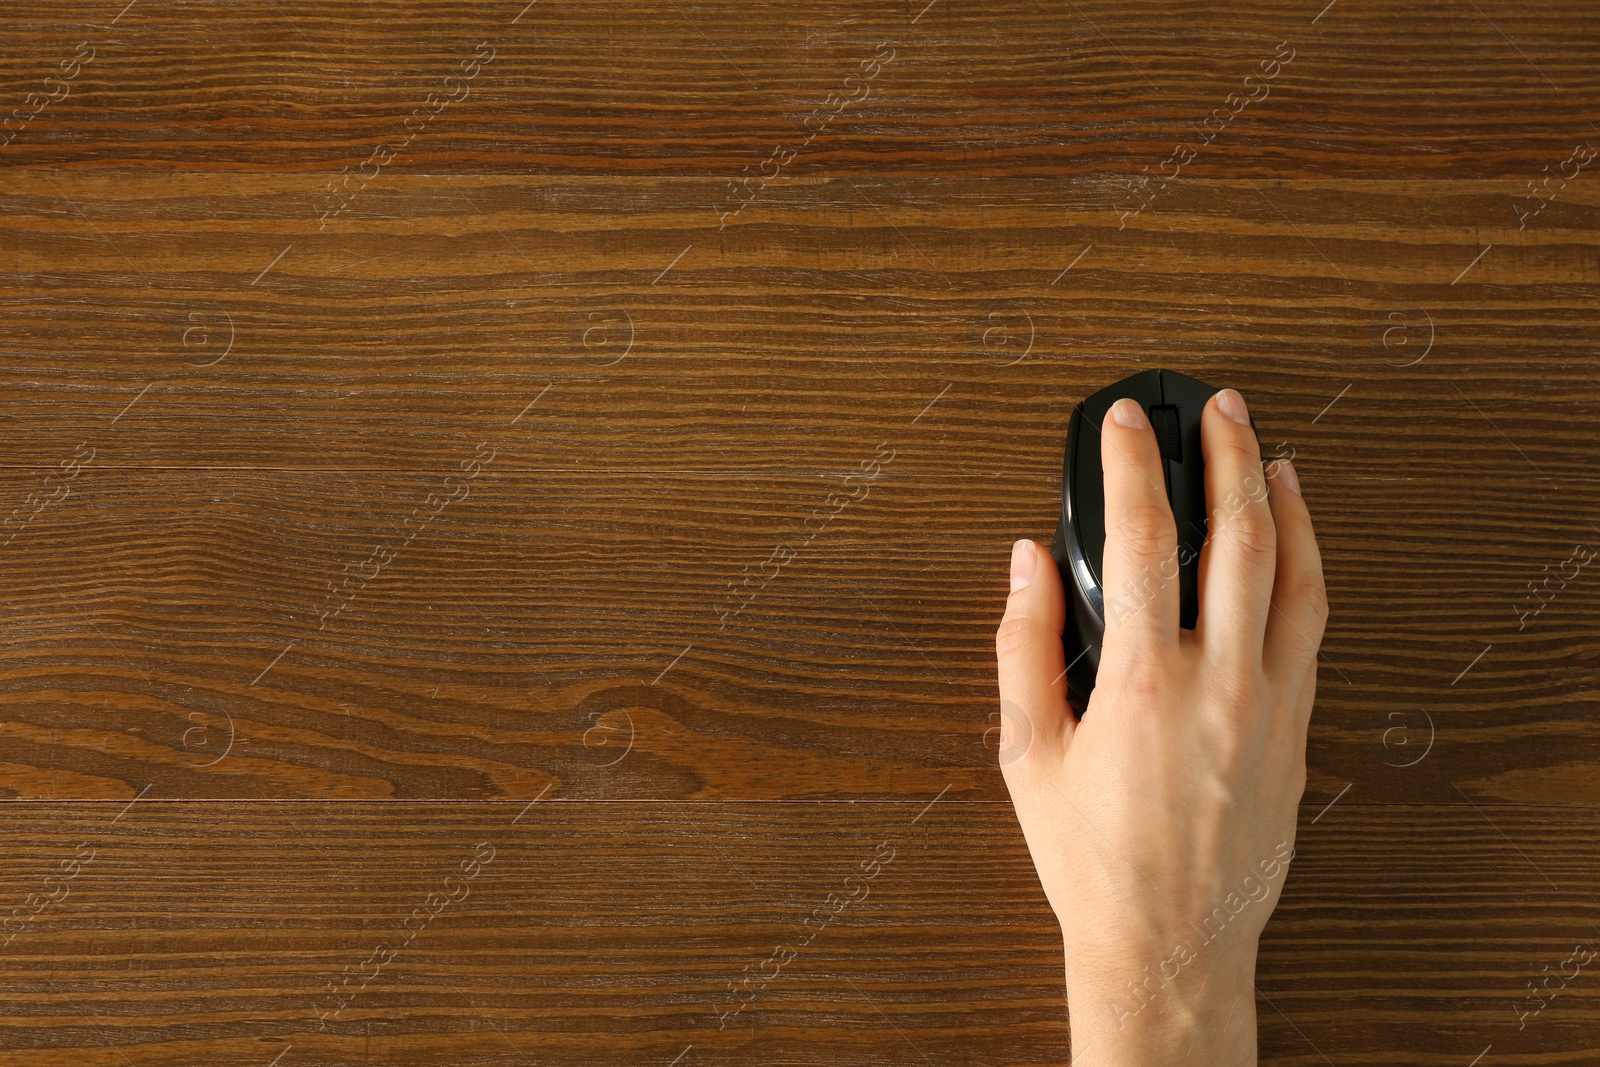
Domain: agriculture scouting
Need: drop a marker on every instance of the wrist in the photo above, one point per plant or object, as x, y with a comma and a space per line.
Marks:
1178, 1010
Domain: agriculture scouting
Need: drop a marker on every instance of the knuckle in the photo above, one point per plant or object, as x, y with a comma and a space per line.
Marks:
1305, 651
1241, 448
1014, 634
1253, 533
1142, 687
1313, 593
1307, 598
1146, 529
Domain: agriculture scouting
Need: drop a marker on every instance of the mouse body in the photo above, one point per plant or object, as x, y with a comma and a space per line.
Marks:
1174, 403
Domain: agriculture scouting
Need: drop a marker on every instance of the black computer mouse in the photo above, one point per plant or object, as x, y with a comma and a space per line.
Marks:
1174, 403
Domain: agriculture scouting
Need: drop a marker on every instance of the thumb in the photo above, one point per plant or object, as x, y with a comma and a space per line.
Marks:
1032, 664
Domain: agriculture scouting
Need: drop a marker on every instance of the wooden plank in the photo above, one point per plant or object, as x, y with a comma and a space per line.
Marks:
612, 932
712, 87
143, 323
223, 633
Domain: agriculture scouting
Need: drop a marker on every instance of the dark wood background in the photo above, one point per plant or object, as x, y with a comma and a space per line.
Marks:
224, 416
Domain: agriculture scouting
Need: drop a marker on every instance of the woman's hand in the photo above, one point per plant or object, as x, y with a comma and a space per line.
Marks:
1162, 823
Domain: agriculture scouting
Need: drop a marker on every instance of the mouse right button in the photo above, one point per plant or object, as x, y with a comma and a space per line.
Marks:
1186, 482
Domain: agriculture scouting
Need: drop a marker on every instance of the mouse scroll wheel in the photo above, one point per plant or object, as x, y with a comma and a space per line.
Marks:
1164, 420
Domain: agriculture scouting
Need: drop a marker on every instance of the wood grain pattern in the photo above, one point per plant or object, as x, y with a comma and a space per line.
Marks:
1412, 90
367, 474
527, 637
604, 932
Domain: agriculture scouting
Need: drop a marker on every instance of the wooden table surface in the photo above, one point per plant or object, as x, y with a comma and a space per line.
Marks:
506, 510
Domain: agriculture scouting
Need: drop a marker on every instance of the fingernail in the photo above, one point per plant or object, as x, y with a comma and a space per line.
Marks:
1024, 558
1130, 413
1232, 405
1286, 476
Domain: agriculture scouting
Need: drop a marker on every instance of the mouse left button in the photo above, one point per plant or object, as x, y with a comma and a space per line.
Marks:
1087, 486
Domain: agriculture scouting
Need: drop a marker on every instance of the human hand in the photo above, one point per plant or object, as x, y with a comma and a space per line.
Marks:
1162, 823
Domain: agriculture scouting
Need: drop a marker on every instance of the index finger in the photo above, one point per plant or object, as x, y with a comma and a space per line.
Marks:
1141, 551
